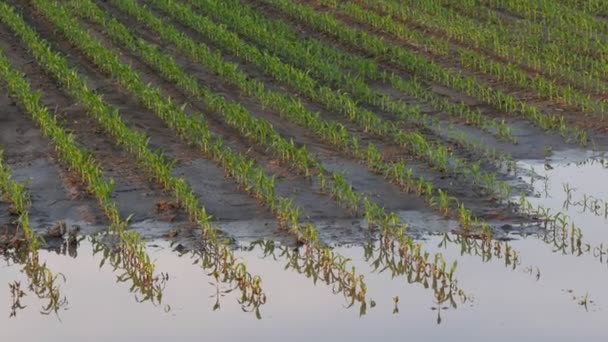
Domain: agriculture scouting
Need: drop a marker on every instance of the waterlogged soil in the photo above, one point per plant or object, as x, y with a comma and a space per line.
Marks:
333, 160
553, 290
133, 193
237, 213
327, 215
54, 194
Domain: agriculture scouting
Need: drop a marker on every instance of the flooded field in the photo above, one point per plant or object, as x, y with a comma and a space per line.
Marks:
557, 273
265, 170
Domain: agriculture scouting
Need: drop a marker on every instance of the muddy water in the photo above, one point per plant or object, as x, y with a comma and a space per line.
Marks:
551, 293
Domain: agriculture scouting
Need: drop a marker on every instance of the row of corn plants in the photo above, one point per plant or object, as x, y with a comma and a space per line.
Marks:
390, 19
136, 263
590, 40
124, 35
233, 114
325, 62
341, 190
468, 58
497, 39
434, 153
396, 172
136, 144
541, 38
42, 281
553, 12
193, 129
253, 26
419, 65
14, 192
276, 38
325, 130
569, 48
597, 8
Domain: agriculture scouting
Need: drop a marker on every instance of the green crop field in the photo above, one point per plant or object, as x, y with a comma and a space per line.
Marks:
287, 169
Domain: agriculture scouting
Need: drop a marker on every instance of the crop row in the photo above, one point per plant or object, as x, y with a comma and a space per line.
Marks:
235, 115
597, 8
553, 12
435, 154
42, 280
469, 58
396, 172
588, 44
193, 129
342, 191
559, 47
327, 64
137, 265
133, 142
256, 28
13, 192
392, 21
419, 65
498, 40
302, 82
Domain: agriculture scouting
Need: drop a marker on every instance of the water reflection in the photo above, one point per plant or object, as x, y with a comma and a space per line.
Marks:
565, 282
130, 259
40, 280
565, 221
384, 256
196, 295
486, 249
16, 295
319, 266
228, 279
